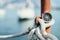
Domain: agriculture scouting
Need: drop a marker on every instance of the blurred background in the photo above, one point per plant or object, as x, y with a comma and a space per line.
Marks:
12, 10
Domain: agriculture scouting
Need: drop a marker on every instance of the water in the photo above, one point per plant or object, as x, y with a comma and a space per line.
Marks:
55, 28
10, 24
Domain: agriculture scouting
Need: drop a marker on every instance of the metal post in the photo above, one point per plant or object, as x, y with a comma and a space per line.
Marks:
45, 7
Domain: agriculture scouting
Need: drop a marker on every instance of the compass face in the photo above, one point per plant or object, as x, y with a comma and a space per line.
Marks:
47, 16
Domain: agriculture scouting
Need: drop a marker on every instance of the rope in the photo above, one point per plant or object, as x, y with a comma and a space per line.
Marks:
13, 36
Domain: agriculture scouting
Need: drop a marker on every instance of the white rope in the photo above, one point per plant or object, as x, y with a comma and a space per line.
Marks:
13, 36
42, 34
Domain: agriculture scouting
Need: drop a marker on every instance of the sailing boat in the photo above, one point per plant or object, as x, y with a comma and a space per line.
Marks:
27, 11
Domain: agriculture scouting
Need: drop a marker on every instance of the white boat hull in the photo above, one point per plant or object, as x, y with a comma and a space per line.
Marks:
26, 13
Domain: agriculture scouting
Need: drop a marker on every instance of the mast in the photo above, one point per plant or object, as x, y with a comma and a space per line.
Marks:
45, 7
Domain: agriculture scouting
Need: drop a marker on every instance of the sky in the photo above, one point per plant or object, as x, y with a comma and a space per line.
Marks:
7, 4
18, 3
